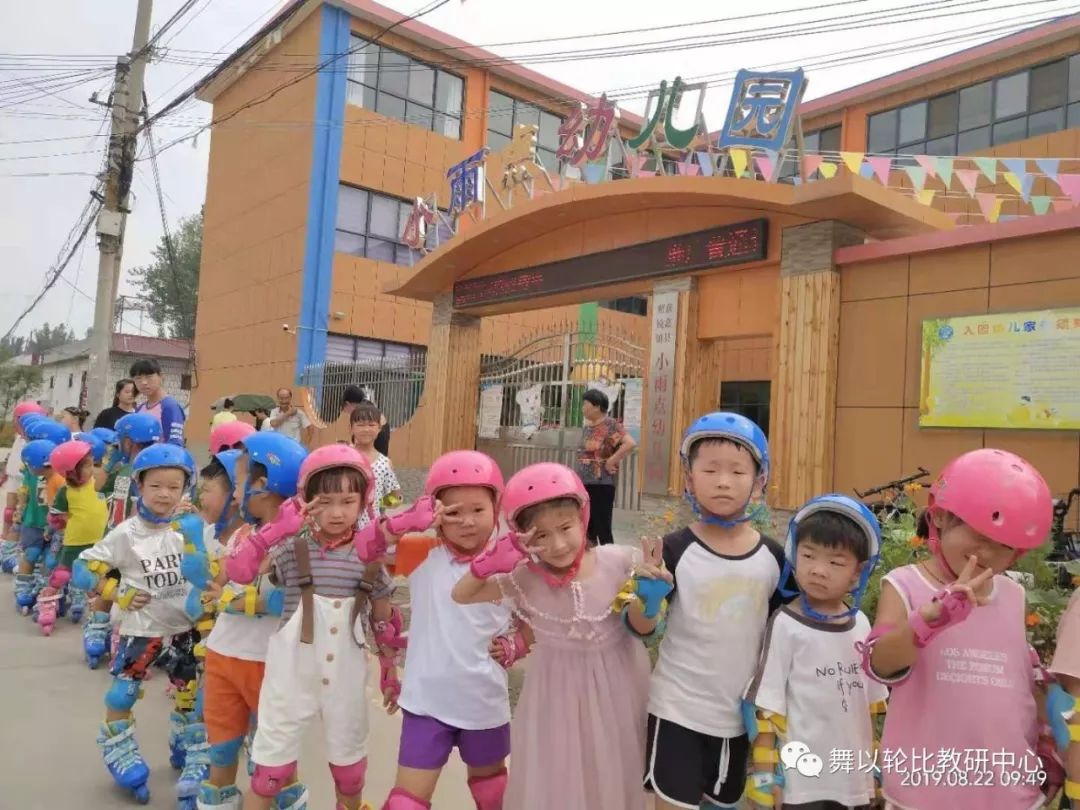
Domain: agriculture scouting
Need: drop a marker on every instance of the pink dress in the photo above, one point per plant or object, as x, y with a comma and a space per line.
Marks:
577, 739
961, 728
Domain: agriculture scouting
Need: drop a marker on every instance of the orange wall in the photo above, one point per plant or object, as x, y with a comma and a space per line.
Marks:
883, 305
253, 233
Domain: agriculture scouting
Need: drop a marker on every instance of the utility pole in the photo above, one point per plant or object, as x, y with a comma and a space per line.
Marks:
127, 100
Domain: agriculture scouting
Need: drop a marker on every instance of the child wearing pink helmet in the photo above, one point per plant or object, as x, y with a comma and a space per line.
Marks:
949, 638
578, 735
455, 694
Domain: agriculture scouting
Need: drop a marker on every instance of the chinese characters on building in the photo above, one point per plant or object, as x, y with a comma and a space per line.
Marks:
467, 184
660, 392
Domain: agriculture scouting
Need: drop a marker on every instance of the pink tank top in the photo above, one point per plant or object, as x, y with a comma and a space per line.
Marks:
961, 728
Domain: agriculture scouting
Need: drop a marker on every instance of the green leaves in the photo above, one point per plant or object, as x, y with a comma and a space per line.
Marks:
171, 283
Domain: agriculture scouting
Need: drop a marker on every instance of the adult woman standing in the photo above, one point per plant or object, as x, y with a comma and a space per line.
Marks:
604, 443
123, 403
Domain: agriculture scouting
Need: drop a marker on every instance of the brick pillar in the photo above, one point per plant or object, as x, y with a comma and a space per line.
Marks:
803, 408
451, 379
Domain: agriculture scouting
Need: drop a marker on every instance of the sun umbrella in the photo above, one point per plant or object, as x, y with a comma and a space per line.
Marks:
246, 403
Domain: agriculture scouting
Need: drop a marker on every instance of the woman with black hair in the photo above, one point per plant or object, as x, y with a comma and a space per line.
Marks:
604, 443
123, 403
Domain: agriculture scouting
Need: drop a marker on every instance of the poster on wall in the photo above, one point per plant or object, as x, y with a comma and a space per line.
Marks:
491, 398
632, 407
1013, 370
530, 402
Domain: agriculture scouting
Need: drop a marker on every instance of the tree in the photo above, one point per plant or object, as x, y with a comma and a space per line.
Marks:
15, 383
171, 283
47, 337
12, 346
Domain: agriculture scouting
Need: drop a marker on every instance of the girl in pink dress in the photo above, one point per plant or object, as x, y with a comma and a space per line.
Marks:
950, 640
578, 735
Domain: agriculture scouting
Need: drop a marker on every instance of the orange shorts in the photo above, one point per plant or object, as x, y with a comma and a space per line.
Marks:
230, 695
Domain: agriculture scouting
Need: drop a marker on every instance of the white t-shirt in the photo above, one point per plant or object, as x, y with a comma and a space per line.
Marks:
715, 625
810, 673
13, 469
449, 673
235, 634
148, 558
294, 423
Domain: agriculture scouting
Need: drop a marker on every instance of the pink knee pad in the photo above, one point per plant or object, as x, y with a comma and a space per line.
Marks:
487, 791
9, 515
59, 578
349, 779
269, 780
403, 800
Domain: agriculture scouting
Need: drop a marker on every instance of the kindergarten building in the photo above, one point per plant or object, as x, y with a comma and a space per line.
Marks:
884, 276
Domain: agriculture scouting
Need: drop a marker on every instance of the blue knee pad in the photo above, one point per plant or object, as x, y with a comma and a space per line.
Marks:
82, 577
32, 554
122, 695
226, 754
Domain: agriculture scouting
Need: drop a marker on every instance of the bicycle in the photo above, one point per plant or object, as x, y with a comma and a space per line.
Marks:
1065, 545
896, 500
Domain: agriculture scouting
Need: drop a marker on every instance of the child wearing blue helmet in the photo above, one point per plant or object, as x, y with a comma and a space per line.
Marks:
155, 628
810, 697
727, 579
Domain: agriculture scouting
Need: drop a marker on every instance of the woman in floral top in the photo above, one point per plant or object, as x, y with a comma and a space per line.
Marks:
604, 443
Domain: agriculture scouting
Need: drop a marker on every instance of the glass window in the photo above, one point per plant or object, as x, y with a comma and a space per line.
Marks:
1074, 116
364, 64
1007, 131
448, 126
352, 214
1010, 96
882, 132
812, 142
526, 114
830, 139
450, 94
505, 113
751, 399
384, 216
381, 251
350, 243
390, 106
419, 116
941, 120
1048, 86
942, 146
422, 84
1074, 78
500, 113
912, 123
549, 130
1046, 121
973, 140
361, 95
975, 105
394, 72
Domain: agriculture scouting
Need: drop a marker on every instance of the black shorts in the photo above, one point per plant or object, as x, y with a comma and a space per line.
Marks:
683, 767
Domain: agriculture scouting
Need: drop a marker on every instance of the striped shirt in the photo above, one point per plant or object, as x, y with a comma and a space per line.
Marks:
335, 572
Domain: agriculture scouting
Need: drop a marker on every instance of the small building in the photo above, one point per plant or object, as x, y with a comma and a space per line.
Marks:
65, 368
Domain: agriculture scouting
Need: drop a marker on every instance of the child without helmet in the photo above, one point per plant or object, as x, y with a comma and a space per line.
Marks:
454, 693
1063, 704
832, 546
316, 663
583, 703
728, 580
949, 638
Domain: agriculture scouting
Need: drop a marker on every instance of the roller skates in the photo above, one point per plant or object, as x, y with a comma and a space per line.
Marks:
122, 758
76, 598
177, 724
48, 605
196, 765
25, 593
96, 638
215, 798
9, 556
294, 797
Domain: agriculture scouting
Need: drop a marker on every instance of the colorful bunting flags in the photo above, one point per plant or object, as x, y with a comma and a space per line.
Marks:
1040, 204
988, 166
811, 163
926, 196
945, 170
969, 179
1049, 167
917, 175
1070, 184
828, 170
1062, 205
928, 164
705, 161
990, 205
765, 165
688, 168
880, 166
594, 171
853, 160
1017, 166
739, 160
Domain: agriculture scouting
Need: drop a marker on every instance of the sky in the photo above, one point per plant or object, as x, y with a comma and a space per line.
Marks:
52, 137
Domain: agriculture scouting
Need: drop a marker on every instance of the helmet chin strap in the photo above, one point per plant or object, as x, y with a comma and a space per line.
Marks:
716, 520
560, 580
934, 542
856, 593
223, 518
148, 516
244, 502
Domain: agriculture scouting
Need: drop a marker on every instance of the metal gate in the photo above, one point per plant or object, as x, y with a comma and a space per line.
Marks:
530, 402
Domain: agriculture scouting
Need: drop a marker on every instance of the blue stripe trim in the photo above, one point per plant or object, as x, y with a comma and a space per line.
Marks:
330, 88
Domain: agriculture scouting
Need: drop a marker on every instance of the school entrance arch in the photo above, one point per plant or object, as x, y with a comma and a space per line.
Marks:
719, 258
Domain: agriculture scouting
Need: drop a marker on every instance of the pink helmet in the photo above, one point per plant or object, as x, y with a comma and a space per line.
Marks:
464, 468
228, 435
996, 493
338, 455
67, 456
29, 406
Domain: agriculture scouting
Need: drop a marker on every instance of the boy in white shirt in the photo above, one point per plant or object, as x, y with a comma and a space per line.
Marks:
155, 629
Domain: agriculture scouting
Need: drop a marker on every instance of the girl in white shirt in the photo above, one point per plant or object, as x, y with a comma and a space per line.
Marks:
455, 692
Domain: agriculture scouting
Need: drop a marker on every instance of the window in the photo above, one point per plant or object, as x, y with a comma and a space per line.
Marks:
391, 373
185, 382
822, 141
633, 305
506, 112
71, 380
52, 382
370, 224
398, 86
1042, 99
751, 399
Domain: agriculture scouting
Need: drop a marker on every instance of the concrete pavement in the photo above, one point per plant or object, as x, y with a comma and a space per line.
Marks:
52, 707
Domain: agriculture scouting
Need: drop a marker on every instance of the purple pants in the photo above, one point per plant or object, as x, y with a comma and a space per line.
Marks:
426, 743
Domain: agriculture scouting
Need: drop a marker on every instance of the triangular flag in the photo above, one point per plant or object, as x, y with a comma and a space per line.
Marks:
853, 160
765, 165
988, 166
811, 163
969, 179
1017, 166
796, 180
1062, 205
881, 166
1049, 167
928, 163
1011, 178
926, 196
866, 170
1026, 182
1021, 183
1070, 184
688, 167
945, 170
637, 163
917, 175
594, 171
827, 170
1040, 204
739, 159
705, 161
990, 206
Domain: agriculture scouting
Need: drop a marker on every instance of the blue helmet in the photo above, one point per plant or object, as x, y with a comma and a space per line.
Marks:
35, 454
28, 419
157, 457
733, 427
97, 446
141, 428
107, 436
281, 457
861, 516
227, 459
49, 430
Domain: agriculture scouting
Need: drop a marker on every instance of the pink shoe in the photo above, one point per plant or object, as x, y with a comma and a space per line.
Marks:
48, 603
